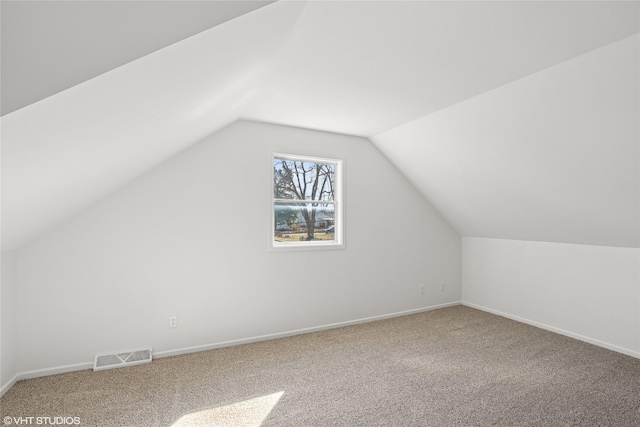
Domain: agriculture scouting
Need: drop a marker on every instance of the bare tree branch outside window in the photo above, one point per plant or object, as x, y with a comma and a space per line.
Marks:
303, 191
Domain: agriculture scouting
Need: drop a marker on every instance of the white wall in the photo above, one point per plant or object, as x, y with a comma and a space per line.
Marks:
588, 292
189, 239
8, 319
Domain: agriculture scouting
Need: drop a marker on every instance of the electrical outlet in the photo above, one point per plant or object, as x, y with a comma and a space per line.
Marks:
173, 322
421, 289
442, 286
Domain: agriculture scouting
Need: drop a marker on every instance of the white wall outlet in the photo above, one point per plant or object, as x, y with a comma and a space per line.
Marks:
442, 286
421, 289
173, 322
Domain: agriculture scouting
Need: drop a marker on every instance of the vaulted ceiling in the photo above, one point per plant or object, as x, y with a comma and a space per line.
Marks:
50, 46
446, 90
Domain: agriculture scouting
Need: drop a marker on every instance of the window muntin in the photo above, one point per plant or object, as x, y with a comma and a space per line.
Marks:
306, 202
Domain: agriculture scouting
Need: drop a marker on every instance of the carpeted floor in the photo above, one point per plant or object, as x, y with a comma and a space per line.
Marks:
451, 367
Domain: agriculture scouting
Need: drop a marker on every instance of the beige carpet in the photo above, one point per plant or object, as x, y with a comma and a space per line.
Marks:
450, 367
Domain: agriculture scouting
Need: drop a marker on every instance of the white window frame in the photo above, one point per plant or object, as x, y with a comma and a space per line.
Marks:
338, 202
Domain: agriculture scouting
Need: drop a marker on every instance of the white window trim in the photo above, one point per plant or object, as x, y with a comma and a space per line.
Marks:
339, 235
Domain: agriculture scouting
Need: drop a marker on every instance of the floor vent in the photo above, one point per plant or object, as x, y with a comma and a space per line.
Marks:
122, 358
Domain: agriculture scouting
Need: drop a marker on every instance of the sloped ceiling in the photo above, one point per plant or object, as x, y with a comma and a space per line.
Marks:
374, 69
63, 153
553, 156
50, 46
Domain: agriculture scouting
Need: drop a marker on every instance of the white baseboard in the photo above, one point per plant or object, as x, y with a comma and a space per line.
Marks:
8, 385
259, 338
43, 373
589, 340
186, 350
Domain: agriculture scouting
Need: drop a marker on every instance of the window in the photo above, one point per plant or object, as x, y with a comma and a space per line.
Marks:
307, 204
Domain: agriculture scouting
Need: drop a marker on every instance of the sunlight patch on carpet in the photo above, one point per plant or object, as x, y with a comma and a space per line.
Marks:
247, 413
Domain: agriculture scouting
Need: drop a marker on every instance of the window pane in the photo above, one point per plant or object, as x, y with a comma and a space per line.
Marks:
303, 180
300, 222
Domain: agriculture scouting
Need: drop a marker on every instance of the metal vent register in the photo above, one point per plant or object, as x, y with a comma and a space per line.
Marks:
122, 358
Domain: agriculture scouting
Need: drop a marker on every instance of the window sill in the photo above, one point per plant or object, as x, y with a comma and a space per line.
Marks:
288, 247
